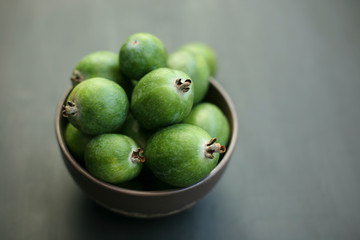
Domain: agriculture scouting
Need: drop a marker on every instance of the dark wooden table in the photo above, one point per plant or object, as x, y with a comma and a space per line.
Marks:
291, 67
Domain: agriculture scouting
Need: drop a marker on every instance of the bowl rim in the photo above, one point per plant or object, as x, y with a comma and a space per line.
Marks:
230, 148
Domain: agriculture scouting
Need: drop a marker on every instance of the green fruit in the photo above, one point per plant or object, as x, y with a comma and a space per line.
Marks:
207, 52
102, 64
132, 129
182, 154
113, 158
140, 54
76, 141
162, 97
196, 67
97, 106
209, 117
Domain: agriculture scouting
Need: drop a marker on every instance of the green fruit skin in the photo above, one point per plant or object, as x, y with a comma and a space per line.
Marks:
76, 141
196, 67
140, 54
176, 155
132, 129
209, 117
104, 64
102, 106
206, 51
157, 102
108, 157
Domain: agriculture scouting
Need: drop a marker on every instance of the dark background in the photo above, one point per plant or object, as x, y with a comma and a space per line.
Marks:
292, 69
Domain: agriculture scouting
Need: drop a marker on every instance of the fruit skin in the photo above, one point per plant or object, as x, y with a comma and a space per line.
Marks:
206, 51
100, 106
76, 141
108, 157
196, 67
157, 100
176, 155
104, 64
209, 117
140, 54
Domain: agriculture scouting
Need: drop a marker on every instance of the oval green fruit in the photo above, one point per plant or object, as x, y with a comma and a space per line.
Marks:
113, 158
140, 54
104, 64
196, 67
76, 141
161, 98
209, 117
206, 51
97, 106
182, 154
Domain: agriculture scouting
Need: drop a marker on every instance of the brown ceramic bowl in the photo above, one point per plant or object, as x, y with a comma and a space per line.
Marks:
149, 204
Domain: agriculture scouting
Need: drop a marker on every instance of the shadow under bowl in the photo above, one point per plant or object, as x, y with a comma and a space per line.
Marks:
149, 204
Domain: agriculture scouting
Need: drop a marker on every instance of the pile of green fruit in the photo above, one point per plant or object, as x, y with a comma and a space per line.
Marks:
136, 119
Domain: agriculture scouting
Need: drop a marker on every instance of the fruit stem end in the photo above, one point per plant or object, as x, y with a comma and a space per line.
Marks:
136, 157
213, 147
77, 77
70, 109
183, 86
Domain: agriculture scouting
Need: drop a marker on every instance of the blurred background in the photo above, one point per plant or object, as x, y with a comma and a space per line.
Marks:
292, 69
